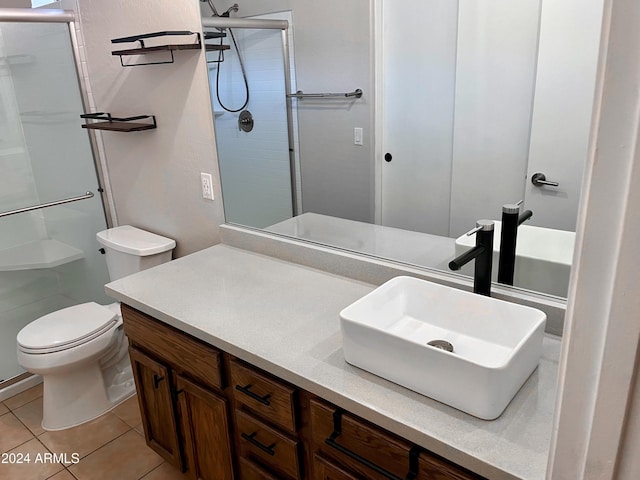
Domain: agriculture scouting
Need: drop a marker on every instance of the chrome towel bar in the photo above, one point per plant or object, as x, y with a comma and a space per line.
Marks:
300, 94
45, 205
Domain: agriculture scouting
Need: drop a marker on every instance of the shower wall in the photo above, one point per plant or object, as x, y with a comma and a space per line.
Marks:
254, 166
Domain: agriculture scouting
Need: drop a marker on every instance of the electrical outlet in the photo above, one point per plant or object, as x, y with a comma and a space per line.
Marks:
207, 185
357, 136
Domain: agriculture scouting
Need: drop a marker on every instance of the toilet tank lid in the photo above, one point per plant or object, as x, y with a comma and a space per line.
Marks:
134, 241
65, 326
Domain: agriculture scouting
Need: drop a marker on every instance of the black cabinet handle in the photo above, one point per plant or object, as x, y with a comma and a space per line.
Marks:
252, 440
388, 157
156, 380
263, 400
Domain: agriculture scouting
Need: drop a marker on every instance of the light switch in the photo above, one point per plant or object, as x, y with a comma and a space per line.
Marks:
357, 136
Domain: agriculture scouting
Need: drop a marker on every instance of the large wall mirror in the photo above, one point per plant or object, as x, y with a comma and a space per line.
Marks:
464, 103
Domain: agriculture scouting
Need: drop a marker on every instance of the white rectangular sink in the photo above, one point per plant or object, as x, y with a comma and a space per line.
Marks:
496, 344
543, 257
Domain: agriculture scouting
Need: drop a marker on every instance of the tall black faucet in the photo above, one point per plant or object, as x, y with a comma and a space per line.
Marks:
511, 220
483, 254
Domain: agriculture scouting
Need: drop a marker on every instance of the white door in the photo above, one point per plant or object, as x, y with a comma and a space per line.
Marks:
457, 98
565, 84
419, 36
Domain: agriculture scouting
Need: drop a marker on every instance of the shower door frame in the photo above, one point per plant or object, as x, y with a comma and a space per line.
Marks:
26, 15
283, 26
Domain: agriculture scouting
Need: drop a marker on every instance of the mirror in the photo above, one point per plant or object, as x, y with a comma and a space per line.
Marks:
463, 103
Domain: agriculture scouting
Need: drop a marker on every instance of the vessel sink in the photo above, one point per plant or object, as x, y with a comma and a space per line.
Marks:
496, 344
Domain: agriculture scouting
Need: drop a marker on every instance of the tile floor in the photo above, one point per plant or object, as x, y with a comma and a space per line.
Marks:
109, 447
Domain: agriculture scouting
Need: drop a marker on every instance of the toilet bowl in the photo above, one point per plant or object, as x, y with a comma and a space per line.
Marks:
82, 351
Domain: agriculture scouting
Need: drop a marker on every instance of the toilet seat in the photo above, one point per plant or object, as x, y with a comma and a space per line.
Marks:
67, 328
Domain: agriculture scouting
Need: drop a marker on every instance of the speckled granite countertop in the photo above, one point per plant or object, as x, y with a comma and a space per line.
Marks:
283, 318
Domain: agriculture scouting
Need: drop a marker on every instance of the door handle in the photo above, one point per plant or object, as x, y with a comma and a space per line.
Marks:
540, 180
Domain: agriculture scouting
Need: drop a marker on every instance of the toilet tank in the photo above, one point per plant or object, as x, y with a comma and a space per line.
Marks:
129, 250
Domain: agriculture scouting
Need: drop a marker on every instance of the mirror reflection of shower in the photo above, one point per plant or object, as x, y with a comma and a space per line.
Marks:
232, 8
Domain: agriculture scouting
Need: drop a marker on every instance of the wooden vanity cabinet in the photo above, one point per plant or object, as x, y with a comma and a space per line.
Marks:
185, 412
218, 418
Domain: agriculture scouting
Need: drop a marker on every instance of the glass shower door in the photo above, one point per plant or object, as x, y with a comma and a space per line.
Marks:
49, 258
254, 162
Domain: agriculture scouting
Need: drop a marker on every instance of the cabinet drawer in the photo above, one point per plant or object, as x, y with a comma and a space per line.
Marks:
176, 348
365, 449
323, 469
270, 447
251, 471
433, 467
270, 399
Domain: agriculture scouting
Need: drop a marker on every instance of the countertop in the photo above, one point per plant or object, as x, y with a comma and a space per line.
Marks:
283, 318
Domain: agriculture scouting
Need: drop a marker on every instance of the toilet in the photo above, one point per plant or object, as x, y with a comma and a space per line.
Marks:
81, 351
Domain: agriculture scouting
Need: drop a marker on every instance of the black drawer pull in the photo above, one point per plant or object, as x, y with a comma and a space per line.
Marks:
337, 431
251, 439
263, 400
156, 380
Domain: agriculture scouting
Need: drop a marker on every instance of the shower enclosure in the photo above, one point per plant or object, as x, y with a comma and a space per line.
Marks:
50, 201
253, 117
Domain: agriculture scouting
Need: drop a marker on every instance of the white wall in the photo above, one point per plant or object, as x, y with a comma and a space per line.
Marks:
155, 174
597, 405
332, 42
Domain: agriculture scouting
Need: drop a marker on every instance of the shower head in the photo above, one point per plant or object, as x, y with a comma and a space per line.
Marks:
232, 8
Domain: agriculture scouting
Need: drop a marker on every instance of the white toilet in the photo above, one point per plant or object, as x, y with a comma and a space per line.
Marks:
81, 351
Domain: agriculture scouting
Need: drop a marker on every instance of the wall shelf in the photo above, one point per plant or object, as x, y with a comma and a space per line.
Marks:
143, 49
46, 253
115, 124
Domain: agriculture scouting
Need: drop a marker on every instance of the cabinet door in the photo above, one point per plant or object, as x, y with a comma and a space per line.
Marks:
205, 428
156, 406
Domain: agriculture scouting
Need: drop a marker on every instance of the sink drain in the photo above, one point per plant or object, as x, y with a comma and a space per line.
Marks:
441, 344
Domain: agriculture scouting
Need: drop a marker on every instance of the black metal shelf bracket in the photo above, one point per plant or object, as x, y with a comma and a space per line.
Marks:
106, 121
143, 49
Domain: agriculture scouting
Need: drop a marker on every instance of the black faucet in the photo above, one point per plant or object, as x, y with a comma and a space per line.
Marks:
483, 254
511, 219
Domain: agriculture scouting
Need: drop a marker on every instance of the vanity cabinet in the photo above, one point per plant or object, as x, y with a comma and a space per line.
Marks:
217, 417
185, 412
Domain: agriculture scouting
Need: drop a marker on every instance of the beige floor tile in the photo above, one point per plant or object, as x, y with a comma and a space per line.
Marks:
87, 437
63, 475
24, 397
164, 472
38, 466
126, 458
129, 411
139, 428
31, 415
12, 432
3, 408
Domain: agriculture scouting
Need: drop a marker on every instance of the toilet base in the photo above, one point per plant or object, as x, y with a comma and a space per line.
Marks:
76, 397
